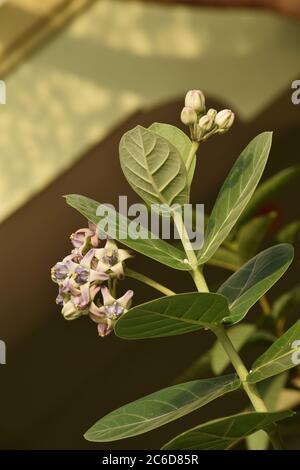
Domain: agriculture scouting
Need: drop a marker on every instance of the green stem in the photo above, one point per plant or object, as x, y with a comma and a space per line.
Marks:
240, 368
199, 280
220, 332
147, 280
191, 256
265, 306
191, 156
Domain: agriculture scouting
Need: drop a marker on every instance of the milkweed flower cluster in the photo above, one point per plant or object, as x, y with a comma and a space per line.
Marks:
204, 124
81, 278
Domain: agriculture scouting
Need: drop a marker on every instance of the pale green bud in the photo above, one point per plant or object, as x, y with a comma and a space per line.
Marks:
188, 116
212, 113
70, 312
206, 123
224, 119
195, 99
198, 133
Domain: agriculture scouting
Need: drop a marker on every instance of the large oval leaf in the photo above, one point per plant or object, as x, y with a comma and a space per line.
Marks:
221, 433
173, 315
236, 193
282, 355
254, 279
180, 141
146, 244
159, 408
153, 167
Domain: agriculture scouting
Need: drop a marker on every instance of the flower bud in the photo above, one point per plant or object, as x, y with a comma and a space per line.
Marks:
206, 123
224, 119
70, 312
212, 113
195, 99
188, 116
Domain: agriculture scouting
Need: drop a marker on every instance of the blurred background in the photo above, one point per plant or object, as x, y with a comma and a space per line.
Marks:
78, 74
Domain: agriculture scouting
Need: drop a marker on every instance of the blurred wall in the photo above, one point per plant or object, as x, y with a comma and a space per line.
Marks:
119, 56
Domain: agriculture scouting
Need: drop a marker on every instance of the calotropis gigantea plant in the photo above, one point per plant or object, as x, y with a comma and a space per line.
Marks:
159, 164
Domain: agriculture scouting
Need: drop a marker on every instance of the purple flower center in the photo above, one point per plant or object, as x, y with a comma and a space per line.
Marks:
114, 310
60, 272
110, 257
82, 275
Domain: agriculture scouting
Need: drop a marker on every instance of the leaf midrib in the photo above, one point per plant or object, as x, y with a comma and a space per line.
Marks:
163, 200
275, 359
181, 319
176, 411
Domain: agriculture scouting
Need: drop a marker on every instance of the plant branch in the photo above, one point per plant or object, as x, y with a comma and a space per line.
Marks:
265, 306
191, 256
220, 332
150, 282
250, 389
240, 368
192, 155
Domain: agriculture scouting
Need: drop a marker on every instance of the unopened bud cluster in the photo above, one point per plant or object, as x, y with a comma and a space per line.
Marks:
204, 123
81, 278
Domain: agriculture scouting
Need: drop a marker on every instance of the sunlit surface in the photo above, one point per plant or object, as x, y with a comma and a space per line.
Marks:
119, 56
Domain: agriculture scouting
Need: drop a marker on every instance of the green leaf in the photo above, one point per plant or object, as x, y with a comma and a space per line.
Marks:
172, 315
246, 286
269, 391
156, 249
286, 303
236, 193
289, 233
267, 190
179, 139
239, 336
159, 408
252, 234
153, 168
281, 355
221, 433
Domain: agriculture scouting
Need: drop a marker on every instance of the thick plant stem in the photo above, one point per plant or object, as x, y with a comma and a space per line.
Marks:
191, 156
265, 306
147, 280
220, 332
191, 257
199, 280
241, 370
